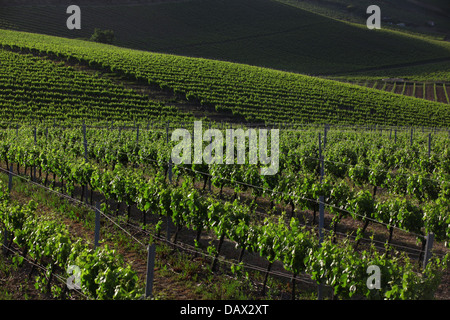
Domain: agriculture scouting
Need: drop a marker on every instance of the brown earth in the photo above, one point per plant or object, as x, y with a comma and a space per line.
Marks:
429, 95
440, 94
408, 90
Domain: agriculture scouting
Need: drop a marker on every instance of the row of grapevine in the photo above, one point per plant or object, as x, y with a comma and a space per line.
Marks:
41, 239
274, 240
298, 183
251, 92
33, 89
291, 244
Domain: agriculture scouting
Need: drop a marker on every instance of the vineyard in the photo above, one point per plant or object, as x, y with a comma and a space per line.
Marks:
92, 203
256, 32
250, 92
432, 91
396, 180
64, 94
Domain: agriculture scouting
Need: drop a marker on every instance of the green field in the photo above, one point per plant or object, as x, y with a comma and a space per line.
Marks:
254, 93
256, 32
34, 88
396, 181
88, 173
415, 15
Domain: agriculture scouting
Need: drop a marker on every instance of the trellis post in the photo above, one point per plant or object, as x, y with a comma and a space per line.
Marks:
429, 144
151, 254
321, 212
429, 245
97, 225
170, 180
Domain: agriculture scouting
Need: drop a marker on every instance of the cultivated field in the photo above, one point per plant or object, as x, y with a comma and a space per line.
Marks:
93, 205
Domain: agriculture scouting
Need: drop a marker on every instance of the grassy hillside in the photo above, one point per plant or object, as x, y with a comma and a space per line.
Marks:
256, 32
430, 17
255, 93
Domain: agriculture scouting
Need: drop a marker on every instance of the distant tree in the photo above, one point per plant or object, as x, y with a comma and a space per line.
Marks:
103, 36
352, 8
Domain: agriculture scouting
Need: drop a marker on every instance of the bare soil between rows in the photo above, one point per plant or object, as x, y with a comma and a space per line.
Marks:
407, 89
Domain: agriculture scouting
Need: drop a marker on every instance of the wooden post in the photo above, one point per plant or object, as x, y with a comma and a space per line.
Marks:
5, 239
33, 168
429, 245
321, 218
210, 178
170, 180
170, 159
321, 214
137, 135
85, 160
151, 249
5, 231
10, 178
429, 144
97, 225
85, 142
